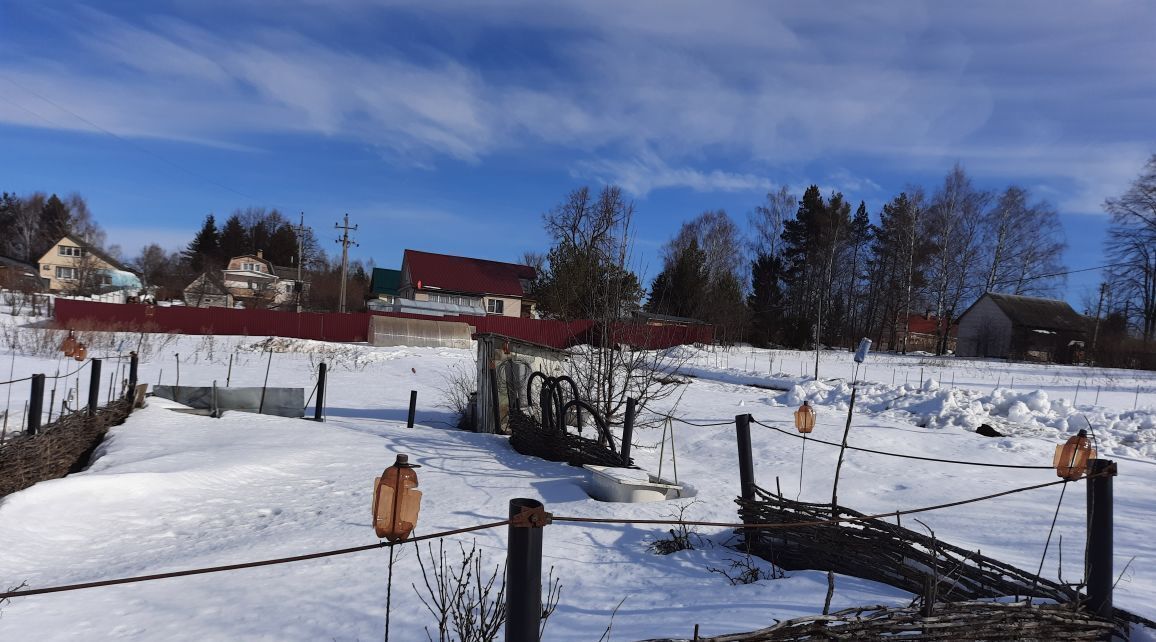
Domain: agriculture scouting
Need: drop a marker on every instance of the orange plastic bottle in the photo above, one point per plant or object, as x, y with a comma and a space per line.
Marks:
396, 500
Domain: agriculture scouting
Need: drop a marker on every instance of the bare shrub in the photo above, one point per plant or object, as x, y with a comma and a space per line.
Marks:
457, 392
683, 537
745, 570
468, 604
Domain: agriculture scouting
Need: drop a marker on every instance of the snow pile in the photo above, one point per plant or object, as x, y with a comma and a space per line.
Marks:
1016, 413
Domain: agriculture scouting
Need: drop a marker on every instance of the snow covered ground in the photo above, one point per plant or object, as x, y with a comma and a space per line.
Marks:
170, 491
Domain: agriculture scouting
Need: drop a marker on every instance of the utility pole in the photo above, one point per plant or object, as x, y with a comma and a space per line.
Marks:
345, 242
300, 285
1096, 331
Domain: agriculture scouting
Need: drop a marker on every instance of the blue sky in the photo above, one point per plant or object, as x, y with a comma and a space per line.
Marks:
453, 126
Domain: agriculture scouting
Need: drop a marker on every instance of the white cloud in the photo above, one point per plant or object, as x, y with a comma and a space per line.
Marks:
652, 88
647, 173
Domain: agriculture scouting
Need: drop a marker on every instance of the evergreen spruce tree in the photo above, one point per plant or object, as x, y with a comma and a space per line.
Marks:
234, 239
204, 252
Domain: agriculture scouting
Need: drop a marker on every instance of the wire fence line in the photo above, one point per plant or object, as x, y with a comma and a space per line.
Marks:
902, 455
565, 520
850, 447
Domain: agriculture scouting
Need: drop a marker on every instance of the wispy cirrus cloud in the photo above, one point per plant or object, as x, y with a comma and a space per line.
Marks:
651, 94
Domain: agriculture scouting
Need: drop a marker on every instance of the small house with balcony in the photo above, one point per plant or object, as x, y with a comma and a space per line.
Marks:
458, 283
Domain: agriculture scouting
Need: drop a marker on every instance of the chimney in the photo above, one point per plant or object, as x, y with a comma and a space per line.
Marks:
260, 254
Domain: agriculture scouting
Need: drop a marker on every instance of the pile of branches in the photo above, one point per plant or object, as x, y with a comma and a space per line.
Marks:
60, 448
884, 552
955, 621
529, 437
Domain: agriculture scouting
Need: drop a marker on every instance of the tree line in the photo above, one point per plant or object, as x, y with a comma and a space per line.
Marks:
812, 268
31, 224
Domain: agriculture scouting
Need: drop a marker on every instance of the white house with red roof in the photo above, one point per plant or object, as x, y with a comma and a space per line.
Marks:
496, 287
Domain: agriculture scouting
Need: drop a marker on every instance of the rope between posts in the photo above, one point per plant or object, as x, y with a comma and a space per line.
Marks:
820, 522
65, 376
901, 455
244, 565
562, 519
5, 383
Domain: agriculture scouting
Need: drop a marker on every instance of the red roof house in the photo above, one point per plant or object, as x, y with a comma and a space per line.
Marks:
501, 288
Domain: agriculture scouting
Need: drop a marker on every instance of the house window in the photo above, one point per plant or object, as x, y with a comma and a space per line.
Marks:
495, 306
452, 299
66, 273
251, 267
69, 250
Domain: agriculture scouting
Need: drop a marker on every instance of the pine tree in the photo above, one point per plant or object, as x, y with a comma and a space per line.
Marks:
204, 253
54, 218
766, 300
282, 246
234, 238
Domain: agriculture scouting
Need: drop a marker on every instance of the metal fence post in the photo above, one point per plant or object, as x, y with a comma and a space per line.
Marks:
94, 387
1100, 552
746, 460
412, 408
321, 371
524, 572
35, 403
133, 362
628, 427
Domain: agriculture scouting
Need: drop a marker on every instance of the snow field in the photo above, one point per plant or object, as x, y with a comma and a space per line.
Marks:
171, 491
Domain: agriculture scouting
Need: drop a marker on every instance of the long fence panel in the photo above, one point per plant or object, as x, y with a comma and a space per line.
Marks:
71, 313
75, 314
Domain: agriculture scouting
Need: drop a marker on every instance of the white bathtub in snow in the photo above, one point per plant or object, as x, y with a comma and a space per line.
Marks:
632, 485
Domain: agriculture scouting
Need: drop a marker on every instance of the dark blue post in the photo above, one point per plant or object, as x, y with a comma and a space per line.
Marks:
1100, 576
133, 362
412, 408
94, 387
35, 404
320, 407
628, 428
524, 576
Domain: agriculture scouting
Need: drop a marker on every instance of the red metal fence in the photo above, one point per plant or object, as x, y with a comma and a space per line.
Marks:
71, 313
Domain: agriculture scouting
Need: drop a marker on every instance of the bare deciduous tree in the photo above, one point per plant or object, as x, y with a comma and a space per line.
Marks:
1132, 244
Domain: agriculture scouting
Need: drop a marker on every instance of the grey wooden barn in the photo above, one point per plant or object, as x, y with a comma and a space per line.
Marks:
1022, 327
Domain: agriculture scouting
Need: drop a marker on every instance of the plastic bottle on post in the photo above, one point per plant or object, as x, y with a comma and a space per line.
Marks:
396, 500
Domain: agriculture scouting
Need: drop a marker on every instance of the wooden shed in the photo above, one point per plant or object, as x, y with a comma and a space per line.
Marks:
504, 365
1022, 327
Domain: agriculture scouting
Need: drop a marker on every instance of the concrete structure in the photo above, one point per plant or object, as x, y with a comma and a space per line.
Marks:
72, 266
498, 288
1021, 327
